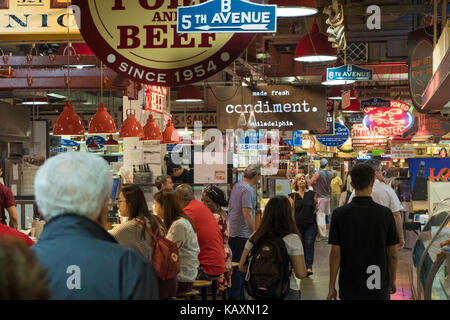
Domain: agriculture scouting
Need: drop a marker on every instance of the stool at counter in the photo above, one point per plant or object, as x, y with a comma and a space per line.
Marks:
187, 295
203, 285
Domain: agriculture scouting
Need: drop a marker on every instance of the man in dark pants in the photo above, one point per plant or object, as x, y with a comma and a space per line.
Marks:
241, 216
364, 242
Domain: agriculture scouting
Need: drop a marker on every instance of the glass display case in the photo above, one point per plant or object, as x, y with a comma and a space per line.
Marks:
429, 272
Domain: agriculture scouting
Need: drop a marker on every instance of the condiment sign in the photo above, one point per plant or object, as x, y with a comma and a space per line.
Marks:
227, 16
349, 72
341, 135
391, 121
283, 107
139, 39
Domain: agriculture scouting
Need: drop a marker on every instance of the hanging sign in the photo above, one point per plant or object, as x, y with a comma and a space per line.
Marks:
391, 121
155, 98
346, 99
96, 142
297, 141
282, 107
227, 16
68, 143
341, 135
139, 40
402, 152
349, 72
329, 128
207, 119
32, 20
362, 138
375, 103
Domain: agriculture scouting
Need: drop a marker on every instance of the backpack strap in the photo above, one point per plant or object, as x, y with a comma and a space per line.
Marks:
157, 234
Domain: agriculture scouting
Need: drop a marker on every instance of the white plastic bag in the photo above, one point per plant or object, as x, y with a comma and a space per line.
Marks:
321, 224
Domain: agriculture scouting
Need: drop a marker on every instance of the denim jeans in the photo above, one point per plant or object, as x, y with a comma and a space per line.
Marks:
309, 234
293, 295
237, 290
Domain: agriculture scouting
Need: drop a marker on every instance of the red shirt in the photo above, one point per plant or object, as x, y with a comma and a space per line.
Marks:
212, 252
6, 200
6, 231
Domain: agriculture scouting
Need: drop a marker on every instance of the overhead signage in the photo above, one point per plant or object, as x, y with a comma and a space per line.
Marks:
402, 152
346, 99
349, 72
391, 121
207, 119
97, 141
341, 135
68, 143
298, 137
362, 138
139, 40
32, 20
283, 107
420, 65
355, 118
155, 98
226, 16
329, 129
375, 103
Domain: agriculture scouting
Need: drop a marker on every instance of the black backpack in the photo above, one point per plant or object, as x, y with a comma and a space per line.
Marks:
269, 269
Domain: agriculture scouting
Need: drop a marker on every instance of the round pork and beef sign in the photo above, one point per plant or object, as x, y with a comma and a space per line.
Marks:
139, 40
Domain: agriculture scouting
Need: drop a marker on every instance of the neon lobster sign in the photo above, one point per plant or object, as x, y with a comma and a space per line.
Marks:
392, 121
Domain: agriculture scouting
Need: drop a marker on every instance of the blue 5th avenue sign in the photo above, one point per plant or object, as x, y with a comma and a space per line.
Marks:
227, 16
349, 72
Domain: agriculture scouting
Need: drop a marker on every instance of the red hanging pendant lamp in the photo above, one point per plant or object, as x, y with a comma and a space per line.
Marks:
131, 128
314, 47
170, 134
68, 122
152, 131
102, 122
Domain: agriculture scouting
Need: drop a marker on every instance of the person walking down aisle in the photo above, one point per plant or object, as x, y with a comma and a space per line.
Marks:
83, 260
304, 202
386, 196
336, 189
321, 181
210, 241
277, 222
180, 228
363, 240
8, 203
241, 214
214, 198
22, 278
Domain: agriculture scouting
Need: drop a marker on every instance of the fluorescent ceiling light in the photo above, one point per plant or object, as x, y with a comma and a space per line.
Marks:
80, 66
295, 11
315, 59
337, 82
34, 102
55, 95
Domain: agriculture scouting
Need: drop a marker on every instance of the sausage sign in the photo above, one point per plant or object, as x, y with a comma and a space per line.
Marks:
139, 40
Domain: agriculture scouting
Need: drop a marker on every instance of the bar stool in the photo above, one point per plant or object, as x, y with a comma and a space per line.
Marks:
188, 295
214, 287
203, 284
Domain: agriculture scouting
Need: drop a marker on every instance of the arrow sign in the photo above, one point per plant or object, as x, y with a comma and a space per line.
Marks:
250, 27
349, 72
227, 16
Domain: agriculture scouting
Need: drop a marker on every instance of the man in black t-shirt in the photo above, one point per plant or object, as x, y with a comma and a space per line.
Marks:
364, 242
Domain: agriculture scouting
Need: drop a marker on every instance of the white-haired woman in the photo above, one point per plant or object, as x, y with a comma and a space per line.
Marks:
304, 202
83, 260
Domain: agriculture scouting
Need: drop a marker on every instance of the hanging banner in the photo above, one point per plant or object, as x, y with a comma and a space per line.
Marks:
424, 169
420, 66
227, 16
155, 98
341, 135
349, 72
207, 119
391, 121
283, 107
37, 20
139, 40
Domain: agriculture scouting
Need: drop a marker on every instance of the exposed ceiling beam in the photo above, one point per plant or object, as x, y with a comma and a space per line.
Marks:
361, 10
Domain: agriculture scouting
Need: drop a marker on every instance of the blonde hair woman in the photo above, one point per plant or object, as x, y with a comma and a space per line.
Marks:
304, 202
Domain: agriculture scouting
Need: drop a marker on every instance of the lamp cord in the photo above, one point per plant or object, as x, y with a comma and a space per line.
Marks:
68, 56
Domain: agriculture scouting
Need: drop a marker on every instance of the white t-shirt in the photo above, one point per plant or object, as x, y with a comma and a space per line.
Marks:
294, 247
181, 229
384, 195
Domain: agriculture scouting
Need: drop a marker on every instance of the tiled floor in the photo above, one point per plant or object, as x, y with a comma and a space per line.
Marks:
316, 286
